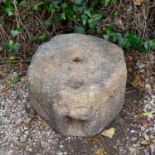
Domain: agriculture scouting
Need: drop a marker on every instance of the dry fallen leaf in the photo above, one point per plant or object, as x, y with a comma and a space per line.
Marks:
144, 122
44, 125
100, 151
147, 114
12, 57
21, 67
93, 139
142, 86
6, 87
129, 58
136, 81
139, 2
153, 140
144, 143
109, 133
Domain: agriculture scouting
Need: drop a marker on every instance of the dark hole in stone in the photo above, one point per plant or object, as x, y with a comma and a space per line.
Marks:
76, 59
69, 118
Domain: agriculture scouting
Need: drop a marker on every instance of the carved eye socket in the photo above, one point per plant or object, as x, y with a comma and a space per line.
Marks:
77, 59
74, 83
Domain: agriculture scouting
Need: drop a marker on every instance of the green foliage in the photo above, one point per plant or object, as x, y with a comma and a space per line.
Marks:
148, 44
15, 32
81, 15
40, 38
129, 41
108, 2
45, 25
79, 29
15, 79
11, 47
8, 7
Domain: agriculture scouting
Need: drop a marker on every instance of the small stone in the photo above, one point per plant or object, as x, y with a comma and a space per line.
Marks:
61, 146
60, 153
146, 152
11, 152
135, 145
133, 151
142, 128
133, 139
151, 136
127, 137
118, 142
30, 150
148, 87
121, 121
152, 146
146, 136
132, 131
153, 97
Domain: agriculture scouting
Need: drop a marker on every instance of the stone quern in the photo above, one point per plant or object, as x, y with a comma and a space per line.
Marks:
77, 83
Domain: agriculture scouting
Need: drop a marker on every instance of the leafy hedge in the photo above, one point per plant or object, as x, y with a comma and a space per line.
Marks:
82, 16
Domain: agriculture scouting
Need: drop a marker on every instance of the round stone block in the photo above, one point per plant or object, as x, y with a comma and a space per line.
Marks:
77, 83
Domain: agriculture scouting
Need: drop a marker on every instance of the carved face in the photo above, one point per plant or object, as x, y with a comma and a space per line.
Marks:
73, 81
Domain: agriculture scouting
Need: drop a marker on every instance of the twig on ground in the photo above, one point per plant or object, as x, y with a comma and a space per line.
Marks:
18, 19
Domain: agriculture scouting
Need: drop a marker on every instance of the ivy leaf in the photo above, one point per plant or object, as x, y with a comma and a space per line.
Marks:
84, 19
11, 47
87, 12
45, 25
37, 6
16, 48
9, 11
106, 37
15, 33
107, 2
123, 42
40, 38
92, 22
149, 44
134, 40
79, 2
63, 16
15, 79
79, 29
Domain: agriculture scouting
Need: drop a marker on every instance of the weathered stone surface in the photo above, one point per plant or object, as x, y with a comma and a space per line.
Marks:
77, 83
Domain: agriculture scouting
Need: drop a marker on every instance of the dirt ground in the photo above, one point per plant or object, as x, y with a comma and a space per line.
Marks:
23, 132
